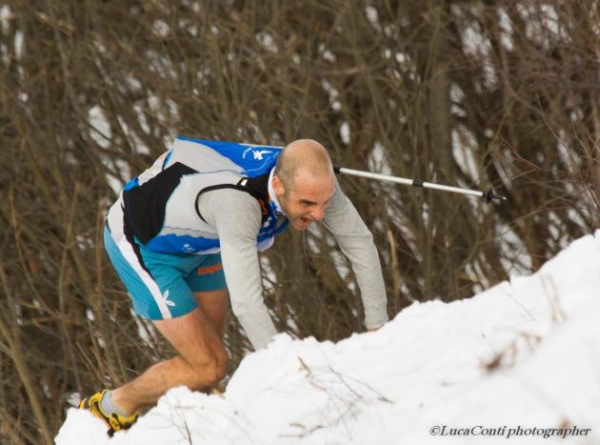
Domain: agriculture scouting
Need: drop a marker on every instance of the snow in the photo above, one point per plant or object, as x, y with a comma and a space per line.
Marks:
516, 364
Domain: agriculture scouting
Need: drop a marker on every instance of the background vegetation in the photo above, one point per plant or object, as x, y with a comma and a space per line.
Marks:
478, 94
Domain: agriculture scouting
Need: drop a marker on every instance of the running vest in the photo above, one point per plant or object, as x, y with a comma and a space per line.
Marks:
161, 205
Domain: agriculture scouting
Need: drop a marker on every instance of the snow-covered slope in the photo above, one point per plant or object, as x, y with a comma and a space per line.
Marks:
517, 364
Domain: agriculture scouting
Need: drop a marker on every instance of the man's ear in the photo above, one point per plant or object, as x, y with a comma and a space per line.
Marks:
278, 187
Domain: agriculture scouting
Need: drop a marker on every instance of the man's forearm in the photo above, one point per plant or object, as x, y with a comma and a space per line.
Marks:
366, 266
356, 242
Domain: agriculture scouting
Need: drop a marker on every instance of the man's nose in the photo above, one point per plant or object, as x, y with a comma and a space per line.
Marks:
318, 213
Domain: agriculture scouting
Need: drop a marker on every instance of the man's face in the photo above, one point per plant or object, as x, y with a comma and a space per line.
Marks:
306, 199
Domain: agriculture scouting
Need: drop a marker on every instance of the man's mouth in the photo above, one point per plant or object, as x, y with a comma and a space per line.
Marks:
304, 222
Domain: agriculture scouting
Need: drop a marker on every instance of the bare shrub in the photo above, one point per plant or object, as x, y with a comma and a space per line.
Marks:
468, 93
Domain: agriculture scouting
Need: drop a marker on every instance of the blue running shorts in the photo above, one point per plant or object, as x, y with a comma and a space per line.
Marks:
161, 285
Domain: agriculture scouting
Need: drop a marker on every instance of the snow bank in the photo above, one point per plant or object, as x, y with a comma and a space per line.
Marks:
519, 364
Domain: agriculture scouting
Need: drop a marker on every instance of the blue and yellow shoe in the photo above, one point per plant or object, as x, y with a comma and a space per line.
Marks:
114, 421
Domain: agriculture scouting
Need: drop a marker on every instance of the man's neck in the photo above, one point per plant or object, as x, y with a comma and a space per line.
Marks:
272, 196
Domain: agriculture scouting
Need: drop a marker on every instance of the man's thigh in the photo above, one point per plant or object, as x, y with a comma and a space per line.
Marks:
193, 337
210, 291
215, 306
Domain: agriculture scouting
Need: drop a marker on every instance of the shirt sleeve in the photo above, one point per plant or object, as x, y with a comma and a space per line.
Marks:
356, 242
236, 216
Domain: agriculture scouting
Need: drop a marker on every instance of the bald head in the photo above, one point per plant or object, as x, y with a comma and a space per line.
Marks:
304, 159
304, 182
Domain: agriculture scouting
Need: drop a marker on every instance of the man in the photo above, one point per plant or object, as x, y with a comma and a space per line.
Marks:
187, 231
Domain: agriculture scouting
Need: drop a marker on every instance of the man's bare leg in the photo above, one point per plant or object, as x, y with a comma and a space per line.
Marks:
202, 359
215, 305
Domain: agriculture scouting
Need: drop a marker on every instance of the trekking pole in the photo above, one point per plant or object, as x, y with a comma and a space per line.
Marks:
489, 194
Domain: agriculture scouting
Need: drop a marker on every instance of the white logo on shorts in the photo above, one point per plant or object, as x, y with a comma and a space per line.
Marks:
166, 300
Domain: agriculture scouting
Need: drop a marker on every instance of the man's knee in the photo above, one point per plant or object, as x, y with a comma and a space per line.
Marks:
212, 370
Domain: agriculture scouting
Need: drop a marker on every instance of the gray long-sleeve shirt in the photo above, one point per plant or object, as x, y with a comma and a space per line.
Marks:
236, 217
